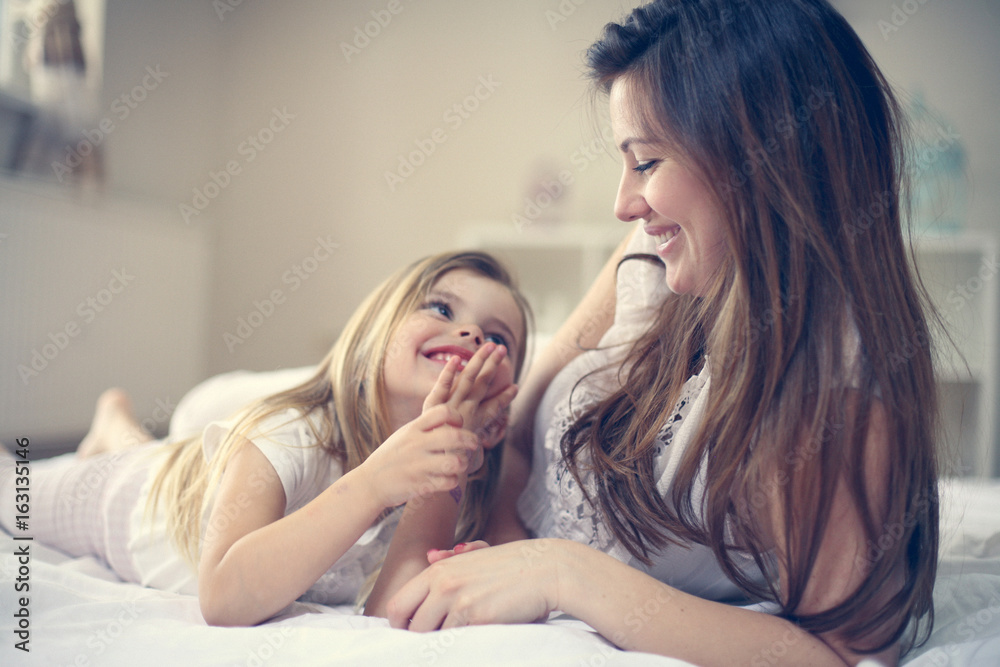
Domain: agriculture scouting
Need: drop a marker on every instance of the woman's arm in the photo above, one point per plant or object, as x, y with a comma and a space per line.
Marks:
583, 329
248, 534
524, 581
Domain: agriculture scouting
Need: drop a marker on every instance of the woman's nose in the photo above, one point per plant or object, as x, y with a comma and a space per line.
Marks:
630, 205
471, 330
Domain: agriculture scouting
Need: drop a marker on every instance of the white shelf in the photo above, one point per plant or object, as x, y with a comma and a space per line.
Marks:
554, 263
962, 276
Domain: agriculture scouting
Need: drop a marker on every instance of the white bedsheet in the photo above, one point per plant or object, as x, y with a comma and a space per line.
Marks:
81, 614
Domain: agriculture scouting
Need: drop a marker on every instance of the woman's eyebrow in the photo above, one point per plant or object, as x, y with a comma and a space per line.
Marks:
629, 141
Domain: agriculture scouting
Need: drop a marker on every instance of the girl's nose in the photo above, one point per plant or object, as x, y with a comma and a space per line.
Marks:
475, 332
630, 205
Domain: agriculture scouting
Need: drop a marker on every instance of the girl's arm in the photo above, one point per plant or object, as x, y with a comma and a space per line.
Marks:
255, 560
524, 581
583, 329
429, 522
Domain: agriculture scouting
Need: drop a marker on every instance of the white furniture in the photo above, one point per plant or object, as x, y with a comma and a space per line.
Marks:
555, 263
962, 276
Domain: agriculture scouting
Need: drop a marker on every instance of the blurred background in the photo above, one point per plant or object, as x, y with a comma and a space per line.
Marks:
195, 187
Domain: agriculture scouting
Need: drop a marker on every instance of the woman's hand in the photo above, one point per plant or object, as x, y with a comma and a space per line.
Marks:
427, 455
511, 583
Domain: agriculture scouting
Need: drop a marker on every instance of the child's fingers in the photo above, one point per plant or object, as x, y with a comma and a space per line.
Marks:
471, 373
438, 415
492, 417
477, 376
442, 386
434, 555
499, 403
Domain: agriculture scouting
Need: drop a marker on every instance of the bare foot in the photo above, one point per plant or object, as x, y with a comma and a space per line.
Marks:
114, 426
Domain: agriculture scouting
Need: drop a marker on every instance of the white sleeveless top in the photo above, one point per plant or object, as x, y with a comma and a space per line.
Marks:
304, 468
553, 505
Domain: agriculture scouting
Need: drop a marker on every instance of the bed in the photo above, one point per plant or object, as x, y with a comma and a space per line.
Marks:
80, 613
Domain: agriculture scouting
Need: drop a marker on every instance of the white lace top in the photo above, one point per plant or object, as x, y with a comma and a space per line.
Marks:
553, 505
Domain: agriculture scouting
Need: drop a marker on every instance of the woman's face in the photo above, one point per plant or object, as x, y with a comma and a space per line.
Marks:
463, 311
674, 204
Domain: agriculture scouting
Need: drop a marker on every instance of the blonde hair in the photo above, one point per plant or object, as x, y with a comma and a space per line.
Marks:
346, 400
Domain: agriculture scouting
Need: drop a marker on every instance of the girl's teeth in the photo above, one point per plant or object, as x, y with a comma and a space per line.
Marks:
441, 356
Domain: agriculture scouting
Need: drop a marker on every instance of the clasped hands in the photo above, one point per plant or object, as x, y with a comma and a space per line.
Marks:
463, 415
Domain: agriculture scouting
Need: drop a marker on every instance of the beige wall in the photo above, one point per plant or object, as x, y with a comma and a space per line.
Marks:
322, 176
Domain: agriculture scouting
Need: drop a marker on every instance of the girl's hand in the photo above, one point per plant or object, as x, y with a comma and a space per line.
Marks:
427, 455
483, 407
434, 555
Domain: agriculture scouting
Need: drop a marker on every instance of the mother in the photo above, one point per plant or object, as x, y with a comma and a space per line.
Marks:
763, 430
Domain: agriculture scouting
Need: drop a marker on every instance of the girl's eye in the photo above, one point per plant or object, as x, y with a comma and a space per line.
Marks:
439, 307
498, 339
643, 167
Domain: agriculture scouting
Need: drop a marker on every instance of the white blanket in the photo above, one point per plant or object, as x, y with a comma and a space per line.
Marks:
79, 613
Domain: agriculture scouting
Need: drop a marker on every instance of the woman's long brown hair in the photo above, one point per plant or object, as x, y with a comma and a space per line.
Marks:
780, 109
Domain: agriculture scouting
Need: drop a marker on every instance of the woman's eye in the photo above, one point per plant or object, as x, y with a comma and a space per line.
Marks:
498, 339
643, 167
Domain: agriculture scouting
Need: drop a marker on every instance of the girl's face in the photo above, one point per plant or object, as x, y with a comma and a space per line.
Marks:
463, 311
674, 204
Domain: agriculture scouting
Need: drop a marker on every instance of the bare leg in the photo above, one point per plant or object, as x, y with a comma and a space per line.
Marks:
114, 426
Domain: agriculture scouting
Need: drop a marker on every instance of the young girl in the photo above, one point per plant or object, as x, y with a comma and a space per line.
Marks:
302, 485
758, 419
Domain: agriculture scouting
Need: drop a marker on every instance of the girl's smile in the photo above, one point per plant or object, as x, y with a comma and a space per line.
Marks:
462, 312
